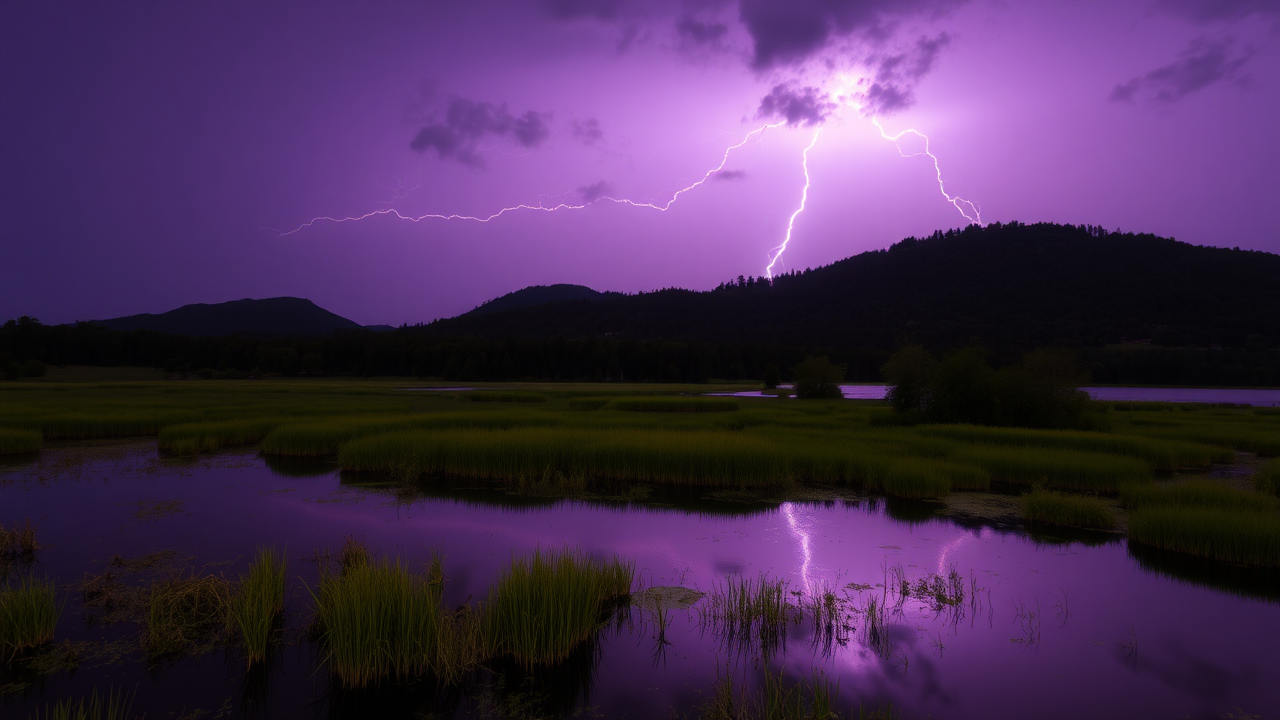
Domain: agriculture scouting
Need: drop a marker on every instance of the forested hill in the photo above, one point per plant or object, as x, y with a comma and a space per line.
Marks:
1009, 286
271, 316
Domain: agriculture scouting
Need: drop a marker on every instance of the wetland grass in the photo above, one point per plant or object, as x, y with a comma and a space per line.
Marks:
186, 614
18, 543
108, 423
1241, 537
194, 438
258, 603
1267, 479
325, 437
1042, 507
1057, 469
675, 404
29, 612
1159, 454
1196, 494
112, 706
750, 613
16, 441
547, 604
502, 396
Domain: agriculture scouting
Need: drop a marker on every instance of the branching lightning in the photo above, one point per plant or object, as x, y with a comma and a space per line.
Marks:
661, 207
776, 253
973, 213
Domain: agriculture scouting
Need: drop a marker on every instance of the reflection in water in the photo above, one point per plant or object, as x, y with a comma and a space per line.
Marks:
802, 539
1259, 583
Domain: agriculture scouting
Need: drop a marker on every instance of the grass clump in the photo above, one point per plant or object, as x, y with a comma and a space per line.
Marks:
258, 603
914, 479
751, 613
588, 403
1052, 508
193, 438
1243, 537
1159, 454
112, 706
547, 604
1196, 494
29, 614
18, 543
185, 614
676, 404
108, 424
15, 441
1057, 469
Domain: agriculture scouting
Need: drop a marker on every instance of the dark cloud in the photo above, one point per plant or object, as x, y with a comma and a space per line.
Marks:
699, 32
730, 175
595, 191
797, 106
587, 131
467, 122
1210, 11
1202, 64
785, 33
893, 87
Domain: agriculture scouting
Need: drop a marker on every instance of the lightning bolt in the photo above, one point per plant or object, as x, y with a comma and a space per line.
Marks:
967, 208
776, 253
661, 207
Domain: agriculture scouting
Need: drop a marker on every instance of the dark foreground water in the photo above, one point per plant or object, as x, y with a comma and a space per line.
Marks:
1058, 628
1262, 397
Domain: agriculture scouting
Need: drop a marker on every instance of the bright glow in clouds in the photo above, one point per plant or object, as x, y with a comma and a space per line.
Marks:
843, 95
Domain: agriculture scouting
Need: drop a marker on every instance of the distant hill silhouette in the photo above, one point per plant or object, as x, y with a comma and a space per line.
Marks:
1008, 286
271, 316
536, 295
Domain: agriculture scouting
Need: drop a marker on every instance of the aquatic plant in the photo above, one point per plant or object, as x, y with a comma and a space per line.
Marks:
588, 403
1196, 493
1053, 508
751, 613
813, 698
547, 604
18, 543
29, 613
107, 423
15, 441
675, 404
184, 613
258, 603
112, 706
1244, 537
192, 438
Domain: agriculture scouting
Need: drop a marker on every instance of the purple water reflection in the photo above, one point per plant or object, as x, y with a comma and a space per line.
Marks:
1114, 639
1262, 397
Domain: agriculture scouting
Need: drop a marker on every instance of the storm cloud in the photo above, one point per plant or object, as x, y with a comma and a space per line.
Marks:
785, 33
797, 106
595, 191
467, 122
1201, 64
896, 77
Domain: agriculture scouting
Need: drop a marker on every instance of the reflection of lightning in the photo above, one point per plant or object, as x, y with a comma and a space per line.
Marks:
776, 253
960, 203
788, 509
661, 207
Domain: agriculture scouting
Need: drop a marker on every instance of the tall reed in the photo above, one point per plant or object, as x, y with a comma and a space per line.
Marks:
676, 404
1243, 537
1051, 508
1198, 494
112, 706
15, 441
1267, 479
29, 613
751, 613
1159, 454
547, 604
258, 603
192, 438
1058, 469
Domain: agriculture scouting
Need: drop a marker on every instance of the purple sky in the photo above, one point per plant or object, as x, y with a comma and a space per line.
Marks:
147, 149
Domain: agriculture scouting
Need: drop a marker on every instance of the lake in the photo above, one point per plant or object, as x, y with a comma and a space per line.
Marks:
1048, 627
1260, 397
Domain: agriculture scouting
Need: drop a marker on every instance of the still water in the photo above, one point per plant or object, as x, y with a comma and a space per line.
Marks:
1262, 397
1049, 628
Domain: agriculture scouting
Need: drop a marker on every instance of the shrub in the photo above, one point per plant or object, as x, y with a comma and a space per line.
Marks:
818, 378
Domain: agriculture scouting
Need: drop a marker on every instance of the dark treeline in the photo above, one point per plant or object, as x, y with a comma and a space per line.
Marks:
412, 351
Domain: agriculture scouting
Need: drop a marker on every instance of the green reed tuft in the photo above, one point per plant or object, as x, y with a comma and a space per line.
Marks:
1159, 454
15, 441
112, 706
29, 613
1243, 537
751, 613
1058, 469
547, 604
258, 603
193, 438
1198, 494
1051, 508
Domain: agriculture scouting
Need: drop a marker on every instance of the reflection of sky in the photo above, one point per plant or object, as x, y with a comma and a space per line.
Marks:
978, 673
1240, 396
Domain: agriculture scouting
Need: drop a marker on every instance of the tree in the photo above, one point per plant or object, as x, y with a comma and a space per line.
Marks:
771, 376
910, 373
818, 378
